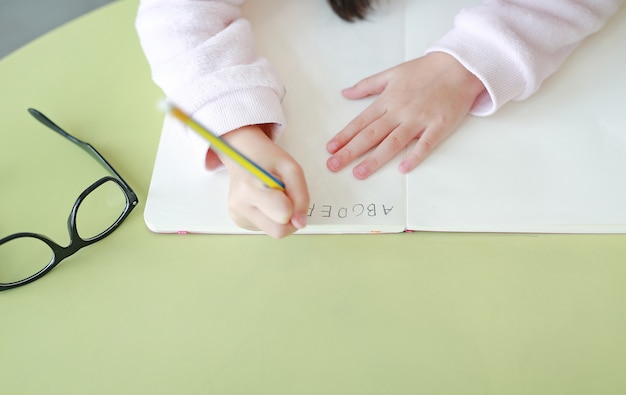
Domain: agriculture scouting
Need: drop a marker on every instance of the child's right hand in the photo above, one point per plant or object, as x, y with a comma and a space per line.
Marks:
254, 206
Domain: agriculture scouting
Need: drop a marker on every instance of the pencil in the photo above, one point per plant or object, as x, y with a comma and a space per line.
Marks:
222, 146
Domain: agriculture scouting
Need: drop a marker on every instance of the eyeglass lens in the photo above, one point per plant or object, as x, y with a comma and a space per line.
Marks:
24, 257
100, 210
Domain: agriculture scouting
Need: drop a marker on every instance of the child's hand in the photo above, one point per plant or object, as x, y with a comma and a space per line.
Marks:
253, 205
424, 99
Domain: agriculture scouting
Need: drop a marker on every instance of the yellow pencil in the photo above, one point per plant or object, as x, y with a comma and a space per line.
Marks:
221, 145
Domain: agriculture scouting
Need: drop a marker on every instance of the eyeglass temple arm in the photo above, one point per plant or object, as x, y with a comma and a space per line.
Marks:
83, 145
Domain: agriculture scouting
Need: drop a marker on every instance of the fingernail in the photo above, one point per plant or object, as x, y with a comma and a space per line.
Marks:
299, 221
360, 171
332, 146
404, 167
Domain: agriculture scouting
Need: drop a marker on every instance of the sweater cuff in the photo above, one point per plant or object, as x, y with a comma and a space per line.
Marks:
255, 106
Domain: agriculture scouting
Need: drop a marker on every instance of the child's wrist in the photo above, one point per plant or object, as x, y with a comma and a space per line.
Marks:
471, 83
246, 136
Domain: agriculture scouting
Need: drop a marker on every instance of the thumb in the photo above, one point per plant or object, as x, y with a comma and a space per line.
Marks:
212, 161
297, 191
369, 86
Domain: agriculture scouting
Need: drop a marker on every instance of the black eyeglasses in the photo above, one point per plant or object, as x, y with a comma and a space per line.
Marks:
98, 211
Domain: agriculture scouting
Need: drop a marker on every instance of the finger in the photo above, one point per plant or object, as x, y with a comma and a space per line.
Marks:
297, 192
275, 205
369, 86
354, 127
212, 160
362, 142
269, 211
393, 144
425, 144
249, 192
255, 220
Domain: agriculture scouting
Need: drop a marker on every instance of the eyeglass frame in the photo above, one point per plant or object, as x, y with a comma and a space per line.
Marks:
76, 243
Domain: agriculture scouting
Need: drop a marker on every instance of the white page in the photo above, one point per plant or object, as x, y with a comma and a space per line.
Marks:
553, 163
316, 55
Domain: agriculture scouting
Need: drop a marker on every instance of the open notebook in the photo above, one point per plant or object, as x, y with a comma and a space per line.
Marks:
554, 163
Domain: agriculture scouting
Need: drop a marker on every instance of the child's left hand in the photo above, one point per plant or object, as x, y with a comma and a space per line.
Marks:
424, 99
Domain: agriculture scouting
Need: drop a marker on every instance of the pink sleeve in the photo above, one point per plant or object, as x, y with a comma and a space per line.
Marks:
512, 46
202, 55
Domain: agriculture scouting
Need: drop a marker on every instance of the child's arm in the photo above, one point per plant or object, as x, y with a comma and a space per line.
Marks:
510, 47
202, 55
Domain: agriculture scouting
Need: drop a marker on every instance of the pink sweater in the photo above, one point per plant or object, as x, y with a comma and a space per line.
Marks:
202, 53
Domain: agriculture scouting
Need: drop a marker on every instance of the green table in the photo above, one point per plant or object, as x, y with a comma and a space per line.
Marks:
141, 313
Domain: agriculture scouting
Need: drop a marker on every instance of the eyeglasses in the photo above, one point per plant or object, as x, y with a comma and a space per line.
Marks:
98, 211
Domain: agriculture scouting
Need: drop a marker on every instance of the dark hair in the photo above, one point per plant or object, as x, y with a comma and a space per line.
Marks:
351, 10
